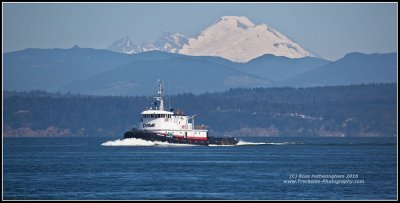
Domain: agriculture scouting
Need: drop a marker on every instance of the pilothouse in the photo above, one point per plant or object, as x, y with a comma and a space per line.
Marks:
158, 124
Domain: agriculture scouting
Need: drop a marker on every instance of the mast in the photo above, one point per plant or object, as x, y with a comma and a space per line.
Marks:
159, 95
169, 95
192, 117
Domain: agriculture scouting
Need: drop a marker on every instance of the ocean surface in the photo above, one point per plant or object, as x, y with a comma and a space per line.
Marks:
258, 169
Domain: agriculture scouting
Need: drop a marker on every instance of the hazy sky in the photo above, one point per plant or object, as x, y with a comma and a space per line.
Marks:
328, 30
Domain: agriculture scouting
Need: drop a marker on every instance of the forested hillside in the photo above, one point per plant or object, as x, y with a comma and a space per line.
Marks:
357, 110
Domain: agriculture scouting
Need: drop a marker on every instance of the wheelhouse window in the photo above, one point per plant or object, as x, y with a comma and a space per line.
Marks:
156, 116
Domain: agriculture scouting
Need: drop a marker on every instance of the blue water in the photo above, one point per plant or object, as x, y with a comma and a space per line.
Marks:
81, 168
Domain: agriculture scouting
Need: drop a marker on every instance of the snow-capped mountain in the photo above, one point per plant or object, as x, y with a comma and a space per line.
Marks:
231, 37
167, 42
123, 45
170, 43
239, 40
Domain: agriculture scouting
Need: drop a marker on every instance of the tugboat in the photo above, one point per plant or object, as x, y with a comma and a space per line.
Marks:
158, 124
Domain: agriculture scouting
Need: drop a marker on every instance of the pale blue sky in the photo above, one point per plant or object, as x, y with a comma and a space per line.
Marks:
329, 30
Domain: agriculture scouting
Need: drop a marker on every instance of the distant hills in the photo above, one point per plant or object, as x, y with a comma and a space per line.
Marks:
278, 68
103, 72
354, 68
184, 74
49, 69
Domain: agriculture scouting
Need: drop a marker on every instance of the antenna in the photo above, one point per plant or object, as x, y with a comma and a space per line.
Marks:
192, 117
169, 94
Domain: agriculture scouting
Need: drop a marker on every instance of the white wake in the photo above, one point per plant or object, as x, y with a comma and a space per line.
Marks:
282, 143
141, 143
241, 142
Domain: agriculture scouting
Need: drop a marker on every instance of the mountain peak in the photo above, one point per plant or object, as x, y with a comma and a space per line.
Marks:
123, 45
166, 33
232, 23
238, 39
167, 42
236, 21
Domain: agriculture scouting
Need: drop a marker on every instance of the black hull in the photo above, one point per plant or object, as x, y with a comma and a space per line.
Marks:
150, 136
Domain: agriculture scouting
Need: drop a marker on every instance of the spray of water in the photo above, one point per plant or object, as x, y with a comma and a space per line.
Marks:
281, 143
241, 142
141, 143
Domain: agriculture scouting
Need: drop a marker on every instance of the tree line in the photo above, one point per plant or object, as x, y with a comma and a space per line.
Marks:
355, 110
